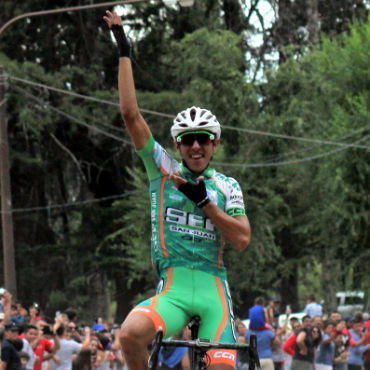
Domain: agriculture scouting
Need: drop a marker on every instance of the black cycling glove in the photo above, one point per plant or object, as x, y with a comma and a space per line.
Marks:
196, 192
123, 44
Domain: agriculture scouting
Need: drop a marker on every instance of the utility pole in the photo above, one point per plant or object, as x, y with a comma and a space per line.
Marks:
10, 281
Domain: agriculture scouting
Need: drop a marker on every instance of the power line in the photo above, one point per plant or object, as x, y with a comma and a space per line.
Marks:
278, 156
283, 163
124, 195
229, 164
240, 129
86, 97
298, 138
72, 118
73, 204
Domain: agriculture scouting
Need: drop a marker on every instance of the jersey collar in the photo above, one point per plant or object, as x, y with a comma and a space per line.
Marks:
208, 172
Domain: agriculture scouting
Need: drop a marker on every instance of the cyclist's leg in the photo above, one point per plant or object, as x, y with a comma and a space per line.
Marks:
217, 319
163, 311
136, 334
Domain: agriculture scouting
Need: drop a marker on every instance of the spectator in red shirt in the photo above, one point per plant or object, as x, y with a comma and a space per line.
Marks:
288, 345
44, 344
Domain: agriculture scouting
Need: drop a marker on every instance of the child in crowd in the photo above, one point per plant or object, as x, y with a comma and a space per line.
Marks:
24, 356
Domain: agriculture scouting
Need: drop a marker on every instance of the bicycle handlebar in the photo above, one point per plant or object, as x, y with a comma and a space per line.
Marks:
203, 345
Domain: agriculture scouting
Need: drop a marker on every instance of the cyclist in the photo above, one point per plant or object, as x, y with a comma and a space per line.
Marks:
193, 208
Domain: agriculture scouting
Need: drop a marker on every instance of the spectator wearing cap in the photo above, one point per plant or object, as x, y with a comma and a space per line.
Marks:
10, 358
313, 308
15, 316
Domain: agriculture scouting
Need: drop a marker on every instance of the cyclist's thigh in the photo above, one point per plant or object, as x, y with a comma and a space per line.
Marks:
165, 309
217, 318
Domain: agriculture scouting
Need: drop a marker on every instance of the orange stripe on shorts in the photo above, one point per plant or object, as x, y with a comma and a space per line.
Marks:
224, 309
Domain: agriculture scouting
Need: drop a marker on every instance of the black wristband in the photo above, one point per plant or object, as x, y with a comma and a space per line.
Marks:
203, 202
123, 44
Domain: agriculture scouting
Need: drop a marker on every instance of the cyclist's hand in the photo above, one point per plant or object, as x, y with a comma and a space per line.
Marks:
195, 192
177, 180
112, 18
114, 22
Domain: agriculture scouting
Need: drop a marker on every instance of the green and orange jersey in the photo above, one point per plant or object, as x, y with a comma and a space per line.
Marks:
181, 233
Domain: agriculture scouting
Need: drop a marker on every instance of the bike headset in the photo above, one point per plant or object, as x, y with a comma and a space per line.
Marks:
195, 119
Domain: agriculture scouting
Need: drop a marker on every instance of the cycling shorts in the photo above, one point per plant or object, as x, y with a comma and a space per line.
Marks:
183, 293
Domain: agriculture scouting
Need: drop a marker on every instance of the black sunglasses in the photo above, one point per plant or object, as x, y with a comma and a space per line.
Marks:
202, 137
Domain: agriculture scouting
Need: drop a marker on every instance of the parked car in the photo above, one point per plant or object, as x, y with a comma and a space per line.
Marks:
350, 302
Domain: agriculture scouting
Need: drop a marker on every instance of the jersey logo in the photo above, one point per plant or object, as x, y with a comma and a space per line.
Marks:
223, 354
185, 218
198, 233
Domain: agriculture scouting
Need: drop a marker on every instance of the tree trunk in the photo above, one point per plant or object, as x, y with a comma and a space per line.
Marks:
99, 295
329, 273
125, 297
289, 291
313, 22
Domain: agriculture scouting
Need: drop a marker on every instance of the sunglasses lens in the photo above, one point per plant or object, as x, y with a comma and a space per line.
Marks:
202, 139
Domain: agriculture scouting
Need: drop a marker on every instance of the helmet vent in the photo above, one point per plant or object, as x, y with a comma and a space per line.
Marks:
202, 123
193, 112
183, 125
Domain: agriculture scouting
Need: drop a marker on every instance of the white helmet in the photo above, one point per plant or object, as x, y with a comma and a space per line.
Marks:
195, 119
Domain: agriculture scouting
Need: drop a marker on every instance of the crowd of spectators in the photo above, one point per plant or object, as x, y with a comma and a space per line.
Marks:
316, 341
30, 341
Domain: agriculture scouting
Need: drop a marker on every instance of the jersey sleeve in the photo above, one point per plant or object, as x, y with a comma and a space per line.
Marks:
157, 161
234, 199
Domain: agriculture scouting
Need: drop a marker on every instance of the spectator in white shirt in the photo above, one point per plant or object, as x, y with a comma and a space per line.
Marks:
313, 308
29, 341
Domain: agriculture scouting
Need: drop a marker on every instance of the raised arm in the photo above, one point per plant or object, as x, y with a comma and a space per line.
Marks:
134, 121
